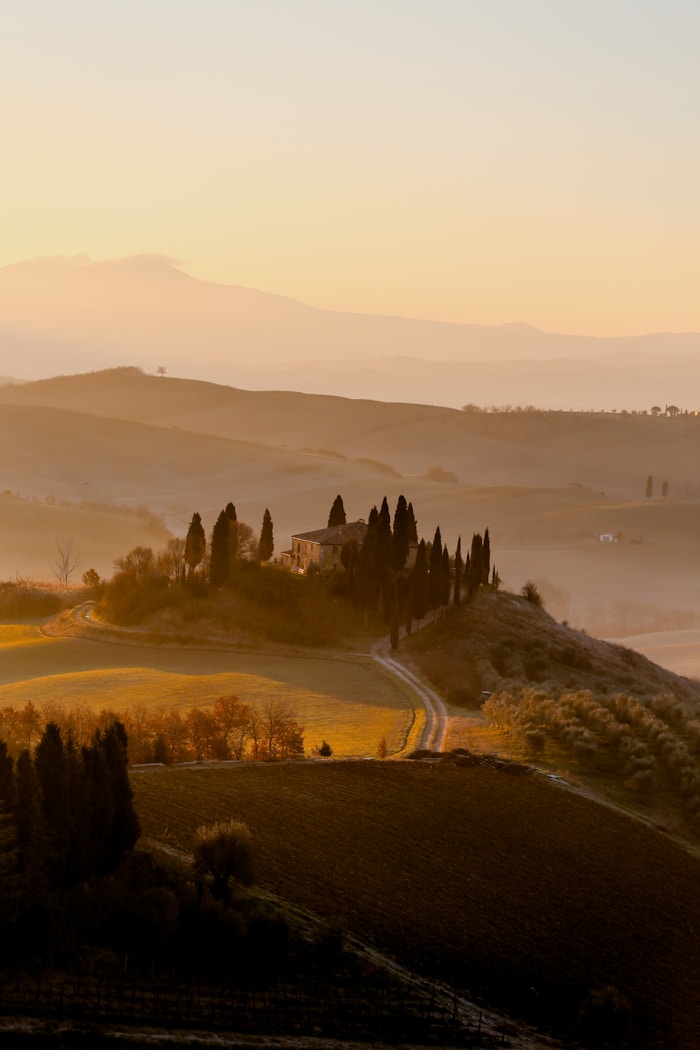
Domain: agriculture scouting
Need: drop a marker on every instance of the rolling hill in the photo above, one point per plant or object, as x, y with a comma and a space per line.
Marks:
59, 314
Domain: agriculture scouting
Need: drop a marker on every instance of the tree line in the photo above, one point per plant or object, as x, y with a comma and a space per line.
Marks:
393, 571
66, 813
229, 729
650, 744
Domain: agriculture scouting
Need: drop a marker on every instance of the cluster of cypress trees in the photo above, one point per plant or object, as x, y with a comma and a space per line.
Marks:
231, 540
67, 813
381, 571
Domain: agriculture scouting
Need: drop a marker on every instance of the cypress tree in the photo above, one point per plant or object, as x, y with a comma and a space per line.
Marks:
10, 883
399, 551
457, 596
383, 559
435, 577
336, 514
650, 487
28, 821
366, 586
52, 773
125, 828
445, 577
266, 544
419, 583
231, 512
7, 780
195, 544
475, 564
219, 551
485, 558
412, 526
349, 554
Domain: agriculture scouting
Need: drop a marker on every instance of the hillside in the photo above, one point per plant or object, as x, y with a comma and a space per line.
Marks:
59, 314
546, 484
508, 886
597, 713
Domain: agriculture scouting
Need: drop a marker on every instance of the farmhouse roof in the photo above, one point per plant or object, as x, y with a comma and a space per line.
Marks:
335, 534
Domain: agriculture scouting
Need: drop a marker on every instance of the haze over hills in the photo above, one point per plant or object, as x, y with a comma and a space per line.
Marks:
62, 315
547, 483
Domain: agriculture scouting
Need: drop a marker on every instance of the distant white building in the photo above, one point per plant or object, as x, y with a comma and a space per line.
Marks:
607, 537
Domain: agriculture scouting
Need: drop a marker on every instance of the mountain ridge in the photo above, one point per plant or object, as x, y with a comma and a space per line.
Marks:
59, 314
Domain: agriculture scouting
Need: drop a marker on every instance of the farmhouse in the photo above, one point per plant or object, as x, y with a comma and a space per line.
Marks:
322, 547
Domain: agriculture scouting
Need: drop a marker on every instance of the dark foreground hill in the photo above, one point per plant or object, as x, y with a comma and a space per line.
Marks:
510, 886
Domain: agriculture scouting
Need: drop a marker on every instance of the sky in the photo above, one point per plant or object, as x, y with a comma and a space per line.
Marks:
531, 161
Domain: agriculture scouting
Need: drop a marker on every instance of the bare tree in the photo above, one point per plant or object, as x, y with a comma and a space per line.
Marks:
161, 370
66, 562
171, 559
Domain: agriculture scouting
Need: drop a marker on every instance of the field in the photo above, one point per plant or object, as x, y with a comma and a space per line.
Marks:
345, 700
510, 886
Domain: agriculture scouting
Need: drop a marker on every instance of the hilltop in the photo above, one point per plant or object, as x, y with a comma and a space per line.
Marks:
71, 314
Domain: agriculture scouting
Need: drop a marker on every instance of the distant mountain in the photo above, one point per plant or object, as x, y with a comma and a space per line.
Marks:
61, 315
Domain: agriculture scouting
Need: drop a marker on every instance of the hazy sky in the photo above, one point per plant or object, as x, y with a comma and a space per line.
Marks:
517, 160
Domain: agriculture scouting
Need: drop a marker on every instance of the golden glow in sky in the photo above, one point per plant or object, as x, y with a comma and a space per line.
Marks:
525, 160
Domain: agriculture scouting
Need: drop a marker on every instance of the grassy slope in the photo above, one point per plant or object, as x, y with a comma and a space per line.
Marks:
510, 885
500, 642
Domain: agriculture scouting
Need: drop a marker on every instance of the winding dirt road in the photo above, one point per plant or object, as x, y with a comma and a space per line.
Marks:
436, 716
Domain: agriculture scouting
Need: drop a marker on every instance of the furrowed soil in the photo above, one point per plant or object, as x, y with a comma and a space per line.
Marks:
510, 886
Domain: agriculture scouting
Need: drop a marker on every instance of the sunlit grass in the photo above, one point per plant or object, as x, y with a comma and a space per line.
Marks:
12, 634
345, 703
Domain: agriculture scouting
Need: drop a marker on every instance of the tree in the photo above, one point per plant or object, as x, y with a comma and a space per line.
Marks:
161, 370
325, 750
122, 828
419, 592
457, 595
365, 575
266, 543
336, 515
399, 552
664, 489
485, 558
530, 592
195, 545
92, 581
52, 773
170, 561
349, 554
242, 544
223, 852
10, 883
412, 526
650, 487
655, 410
435, 574
231, 718
446, 582
475, 575
219, 551
137, 565
281, 734
382, 749
66, 562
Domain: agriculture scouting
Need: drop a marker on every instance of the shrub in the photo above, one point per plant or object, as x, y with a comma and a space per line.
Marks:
530, 593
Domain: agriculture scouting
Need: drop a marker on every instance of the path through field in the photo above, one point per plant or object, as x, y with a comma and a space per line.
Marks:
436, 716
